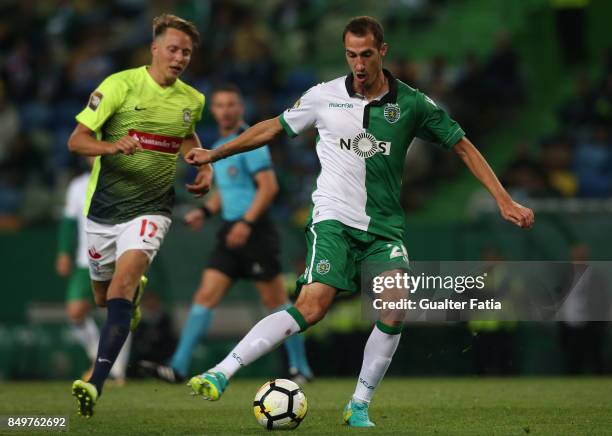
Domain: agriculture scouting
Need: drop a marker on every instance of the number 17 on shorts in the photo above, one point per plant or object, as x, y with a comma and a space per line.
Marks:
107, 242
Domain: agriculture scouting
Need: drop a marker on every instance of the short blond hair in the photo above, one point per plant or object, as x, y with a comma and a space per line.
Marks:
166, 21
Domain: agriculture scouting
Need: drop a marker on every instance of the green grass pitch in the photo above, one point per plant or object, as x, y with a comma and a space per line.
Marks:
510, 406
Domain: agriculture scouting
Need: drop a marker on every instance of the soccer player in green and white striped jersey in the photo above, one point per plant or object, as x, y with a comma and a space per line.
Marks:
365, 123
136, 123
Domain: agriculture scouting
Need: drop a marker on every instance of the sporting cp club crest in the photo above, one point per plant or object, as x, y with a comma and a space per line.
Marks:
187, 115
392, 112
323, 266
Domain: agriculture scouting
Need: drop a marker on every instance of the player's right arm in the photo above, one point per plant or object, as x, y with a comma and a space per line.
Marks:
510, 210
293, 121
254, 137
82, 141
103, 103
435, 125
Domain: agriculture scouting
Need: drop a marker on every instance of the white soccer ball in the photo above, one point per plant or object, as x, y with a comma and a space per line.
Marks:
280, 404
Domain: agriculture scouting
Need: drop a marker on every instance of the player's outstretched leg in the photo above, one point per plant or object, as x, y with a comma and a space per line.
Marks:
299, 369
263, 337
274, 297
377, 355
311, 306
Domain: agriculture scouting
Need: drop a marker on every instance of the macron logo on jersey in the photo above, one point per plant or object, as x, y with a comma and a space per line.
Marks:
341, 105
365, 145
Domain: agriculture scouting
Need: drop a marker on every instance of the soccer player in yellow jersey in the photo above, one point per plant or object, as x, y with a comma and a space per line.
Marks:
135, 123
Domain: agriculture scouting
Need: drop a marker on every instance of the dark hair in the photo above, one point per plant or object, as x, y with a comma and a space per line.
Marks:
363, 25
165, 21
226, 87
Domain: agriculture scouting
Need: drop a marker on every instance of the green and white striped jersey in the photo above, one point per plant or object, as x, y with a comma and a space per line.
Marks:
362, 147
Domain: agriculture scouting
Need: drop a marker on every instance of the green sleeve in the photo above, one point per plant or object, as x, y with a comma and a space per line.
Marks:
286, 126
435, 125
67, 236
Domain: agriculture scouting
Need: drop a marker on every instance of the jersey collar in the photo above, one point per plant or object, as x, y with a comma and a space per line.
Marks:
154, 84
389, 97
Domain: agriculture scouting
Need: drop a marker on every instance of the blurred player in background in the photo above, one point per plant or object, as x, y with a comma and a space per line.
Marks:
247, 242
136, 122
72, 262
365, 123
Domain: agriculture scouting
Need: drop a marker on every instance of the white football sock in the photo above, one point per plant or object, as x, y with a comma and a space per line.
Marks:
120, 366
263, 337
88, 335
377, 357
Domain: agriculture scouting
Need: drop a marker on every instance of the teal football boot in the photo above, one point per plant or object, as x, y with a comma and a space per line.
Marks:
356, 414
209, 385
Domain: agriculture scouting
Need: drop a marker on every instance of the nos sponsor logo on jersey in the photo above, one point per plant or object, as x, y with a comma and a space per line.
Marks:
365, 145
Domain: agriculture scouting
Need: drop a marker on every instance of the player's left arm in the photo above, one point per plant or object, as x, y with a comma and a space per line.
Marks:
510, 210
203, 180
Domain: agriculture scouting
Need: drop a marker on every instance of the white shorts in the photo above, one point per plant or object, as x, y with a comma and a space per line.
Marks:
107, 242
